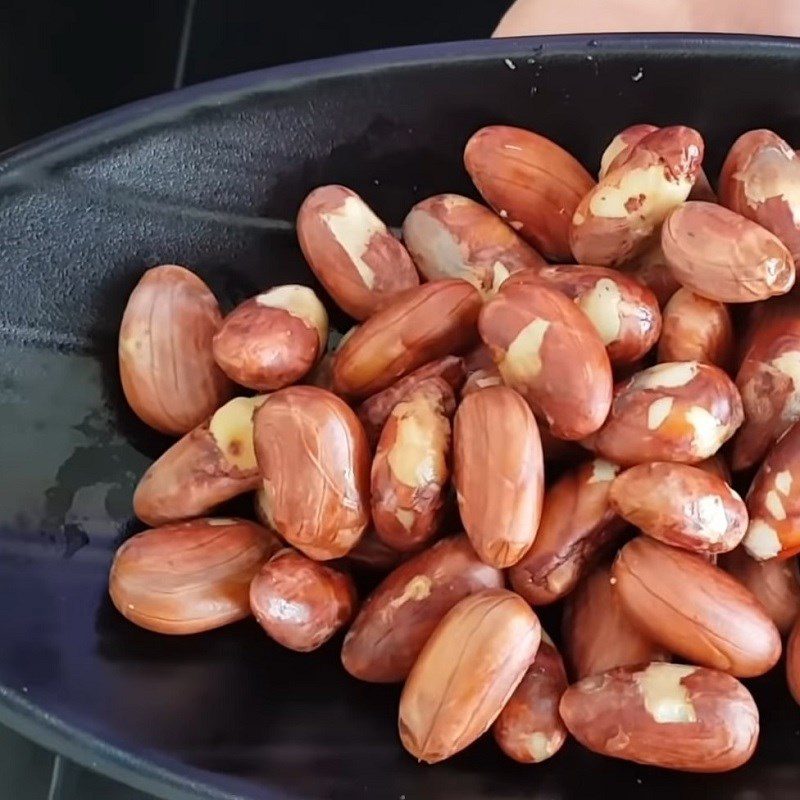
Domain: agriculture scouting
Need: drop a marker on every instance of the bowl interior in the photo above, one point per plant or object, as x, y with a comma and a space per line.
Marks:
212, 178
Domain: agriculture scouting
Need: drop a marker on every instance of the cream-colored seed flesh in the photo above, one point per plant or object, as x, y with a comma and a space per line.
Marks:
131, 344
789, 364
667, 376
561, 577
300, 302
774, 505
415, 458
418, 588
771, 267
602, 305
523, 357
655, 193
708, 433
405, 517
353, 224
773, 173
538, 746
603, 471
500, 275
433, 243
232, 430
665, 698
712, 517
761, 540
783, 482
658, 412
616, 146
451, 201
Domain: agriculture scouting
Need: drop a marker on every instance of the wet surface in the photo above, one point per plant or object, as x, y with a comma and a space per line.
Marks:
70, 473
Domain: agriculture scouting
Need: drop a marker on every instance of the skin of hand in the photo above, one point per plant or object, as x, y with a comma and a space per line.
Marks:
534, 17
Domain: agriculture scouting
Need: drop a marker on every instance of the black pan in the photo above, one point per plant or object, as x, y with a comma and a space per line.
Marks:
212, 177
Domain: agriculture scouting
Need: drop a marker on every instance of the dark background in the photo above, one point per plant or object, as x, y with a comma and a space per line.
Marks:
61, 60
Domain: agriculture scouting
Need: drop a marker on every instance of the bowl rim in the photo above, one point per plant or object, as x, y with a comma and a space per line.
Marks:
148, 771
140, 114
